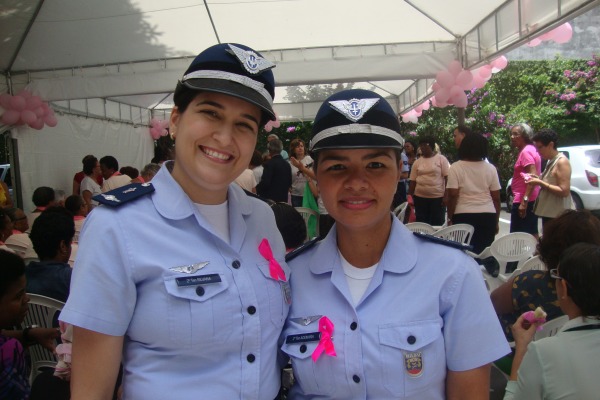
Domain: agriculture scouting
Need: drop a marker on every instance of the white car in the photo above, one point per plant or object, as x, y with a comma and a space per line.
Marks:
585, 170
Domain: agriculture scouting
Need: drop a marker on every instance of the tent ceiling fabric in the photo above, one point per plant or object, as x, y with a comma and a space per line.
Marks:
133, 52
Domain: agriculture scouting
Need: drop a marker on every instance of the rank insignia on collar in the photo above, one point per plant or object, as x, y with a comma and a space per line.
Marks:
252, 62
305, 321
353, 109
414, 364
124, 194
110, 197
189, 269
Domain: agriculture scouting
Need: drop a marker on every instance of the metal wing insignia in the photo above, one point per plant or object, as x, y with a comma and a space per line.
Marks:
252, 62
189, 269
353, 109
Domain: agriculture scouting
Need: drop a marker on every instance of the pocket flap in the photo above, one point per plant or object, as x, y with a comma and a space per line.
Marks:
206, 292
410, 337
264, 268
299, 350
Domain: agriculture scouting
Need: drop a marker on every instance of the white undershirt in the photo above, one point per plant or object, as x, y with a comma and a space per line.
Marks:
358, 278
218, 217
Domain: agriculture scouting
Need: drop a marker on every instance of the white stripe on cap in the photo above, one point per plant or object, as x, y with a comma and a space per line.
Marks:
228, 76
355, 128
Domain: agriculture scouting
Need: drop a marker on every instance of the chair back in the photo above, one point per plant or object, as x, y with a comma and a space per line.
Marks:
422, 227
307, 213
42, 312
534, 263
400, 211
461, 233
551, 327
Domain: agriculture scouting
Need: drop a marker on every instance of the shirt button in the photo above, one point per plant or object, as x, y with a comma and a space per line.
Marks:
251, 310
236, 264
200, 291
356, 378
250, 358
303, 348
411, 339
353, 326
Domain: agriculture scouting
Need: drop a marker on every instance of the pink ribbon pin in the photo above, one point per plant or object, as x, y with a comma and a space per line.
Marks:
325, 343
275, 270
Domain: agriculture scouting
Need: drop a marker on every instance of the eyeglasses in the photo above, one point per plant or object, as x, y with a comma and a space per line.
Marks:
554, 274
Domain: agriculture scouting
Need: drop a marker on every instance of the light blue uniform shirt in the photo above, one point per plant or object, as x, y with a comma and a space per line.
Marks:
210, 341
426, 310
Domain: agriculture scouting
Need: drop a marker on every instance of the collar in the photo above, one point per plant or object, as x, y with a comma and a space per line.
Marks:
579, 321
399, 255
173, 203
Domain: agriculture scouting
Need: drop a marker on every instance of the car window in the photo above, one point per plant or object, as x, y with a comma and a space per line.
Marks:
593, 158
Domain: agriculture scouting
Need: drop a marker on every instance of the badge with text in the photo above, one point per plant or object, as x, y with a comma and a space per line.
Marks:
414, 364
198, 280
303, 338
286, 291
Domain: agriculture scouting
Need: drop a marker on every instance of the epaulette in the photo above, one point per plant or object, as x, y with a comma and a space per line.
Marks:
124, 194
250, 194
299, 250
445, 242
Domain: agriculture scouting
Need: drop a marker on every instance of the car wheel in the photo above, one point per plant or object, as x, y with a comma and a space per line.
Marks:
509, 201
577, 201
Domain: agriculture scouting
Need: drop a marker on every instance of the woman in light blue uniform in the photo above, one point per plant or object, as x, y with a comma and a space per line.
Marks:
187, 283
377, 312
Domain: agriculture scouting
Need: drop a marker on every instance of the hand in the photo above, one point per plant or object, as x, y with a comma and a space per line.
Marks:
523, 332
295, 162
534, 181
45, 337
523, 209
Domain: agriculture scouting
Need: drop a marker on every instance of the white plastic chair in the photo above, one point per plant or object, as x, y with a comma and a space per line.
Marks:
462, 233
514, 247
551, 327
400, 211
534, 263
42, 311
306, 214
422, 227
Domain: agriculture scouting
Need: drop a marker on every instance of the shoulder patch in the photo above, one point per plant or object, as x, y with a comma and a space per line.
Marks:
299, 250
124, 194
444, 242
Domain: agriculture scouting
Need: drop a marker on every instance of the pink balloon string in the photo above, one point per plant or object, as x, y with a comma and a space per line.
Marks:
275, 270
325, 343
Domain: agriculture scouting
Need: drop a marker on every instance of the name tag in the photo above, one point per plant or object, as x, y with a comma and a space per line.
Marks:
198, 280
303, 338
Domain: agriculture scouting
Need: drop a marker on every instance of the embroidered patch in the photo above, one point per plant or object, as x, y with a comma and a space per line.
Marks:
414, 364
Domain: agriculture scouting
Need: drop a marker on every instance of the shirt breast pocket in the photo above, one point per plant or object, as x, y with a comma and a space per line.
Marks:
200, 314
314, 378
413, 356
276, 291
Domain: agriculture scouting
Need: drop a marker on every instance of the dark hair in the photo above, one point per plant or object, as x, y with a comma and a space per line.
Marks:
150, 170
296, 143
256, 159
74, 203
545, 136
183, 96
524, 130
11, 212
473, 147
43, 196
89, 163
465, 130
13, 268
290, 224
412, 143
565, 230
3, 215
110, 162
580, 267
55, 224
130, 172
430, 140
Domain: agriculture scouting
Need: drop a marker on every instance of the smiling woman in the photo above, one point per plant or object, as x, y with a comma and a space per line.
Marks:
188, 282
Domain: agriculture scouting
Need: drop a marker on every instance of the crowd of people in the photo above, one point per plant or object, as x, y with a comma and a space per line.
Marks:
202, 283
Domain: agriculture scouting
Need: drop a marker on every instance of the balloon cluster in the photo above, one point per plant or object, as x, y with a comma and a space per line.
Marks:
560, 34
26, 109
158, 128
414, 114
273, 124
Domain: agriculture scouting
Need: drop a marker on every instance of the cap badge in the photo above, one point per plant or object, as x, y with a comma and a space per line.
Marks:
354, 109
252, 62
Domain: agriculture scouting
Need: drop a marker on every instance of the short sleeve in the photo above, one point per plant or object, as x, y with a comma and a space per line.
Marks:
453, 177
526, 158
404, 166
494, 179
414, 170
445, 165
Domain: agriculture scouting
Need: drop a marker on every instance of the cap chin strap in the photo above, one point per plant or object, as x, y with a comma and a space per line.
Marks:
356, 128
229, 76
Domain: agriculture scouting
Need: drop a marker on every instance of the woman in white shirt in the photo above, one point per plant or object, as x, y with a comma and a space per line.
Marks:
301, 170
89, 185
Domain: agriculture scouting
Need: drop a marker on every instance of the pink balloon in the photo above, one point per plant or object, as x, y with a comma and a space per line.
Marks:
442, 104
276, 123
425, 106
28, 117
455, 67
563, 34
445, 79
155, 133
418, 113
460, 100
33, 102
164, 132
5, 100
268, 128
456, 91
38, 124
534, 42
485, 72
18, 103
10, 117
39, 112
478, 81
433, 101
51, 121
464, 79
500, 62
435, 87
442, 95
